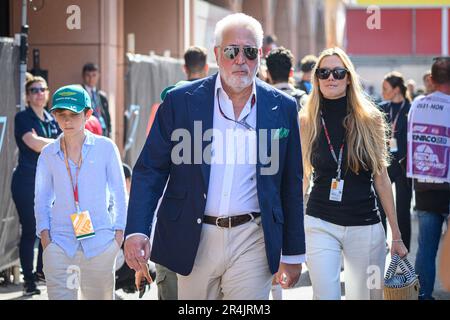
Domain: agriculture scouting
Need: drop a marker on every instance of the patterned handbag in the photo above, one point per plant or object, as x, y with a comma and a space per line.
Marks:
401, 286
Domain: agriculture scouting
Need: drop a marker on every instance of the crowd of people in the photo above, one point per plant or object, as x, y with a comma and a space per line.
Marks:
230, 230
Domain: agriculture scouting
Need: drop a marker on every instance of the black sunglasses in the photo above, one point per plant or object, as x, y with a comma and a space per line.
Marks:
231, 52
324, 73
36, 90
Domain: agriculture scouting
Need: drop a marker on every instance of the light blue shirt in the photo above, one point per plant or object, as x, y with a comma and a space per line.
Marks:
101, 188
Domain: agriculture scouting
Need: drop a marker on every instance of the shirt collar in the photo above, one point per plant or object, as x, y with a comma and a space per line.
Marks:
90, 89
219, 88
47, 116
89, 141
31, 112
441, 94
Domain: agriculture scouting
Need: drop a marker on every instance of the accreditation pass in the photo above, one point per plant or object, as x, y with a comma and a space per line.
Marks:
336, 190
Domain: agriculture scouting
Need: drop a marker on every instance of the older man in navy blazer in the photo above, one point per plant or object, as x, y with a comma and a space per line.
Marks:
228, 147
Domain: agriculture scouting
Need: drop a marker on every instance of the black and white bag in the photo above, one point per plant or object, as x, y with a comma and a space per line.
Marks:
401, 286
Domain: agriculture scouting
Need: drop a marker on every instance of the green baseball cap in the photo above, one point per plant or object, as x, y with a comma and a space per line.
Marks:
72, 97
166, 90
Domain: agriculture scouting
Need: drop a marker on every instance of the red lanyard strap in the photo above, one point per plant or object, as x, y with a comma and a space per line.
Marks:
330, 146
74, 186
394, 123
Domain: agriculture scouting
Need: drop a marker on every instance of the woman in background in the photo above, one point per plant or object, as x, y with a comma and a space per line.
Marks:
34, 128
396, 108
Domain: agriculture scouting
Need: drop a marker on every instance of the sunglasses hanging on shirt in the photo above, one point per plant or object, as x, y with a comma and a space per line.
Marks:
242, 122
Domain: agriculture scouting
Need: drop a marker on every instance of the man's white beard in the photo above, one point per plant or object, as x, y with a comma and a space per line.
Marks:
238, 83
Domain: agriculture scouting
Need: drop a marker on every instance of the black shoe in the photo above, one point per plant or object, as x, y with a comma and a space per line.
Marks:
39, 277
29, 289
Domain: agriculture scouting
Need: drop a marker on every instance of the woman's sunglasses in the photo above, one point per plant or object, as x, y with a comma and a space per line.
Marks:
231, 52
324, 73
37, 90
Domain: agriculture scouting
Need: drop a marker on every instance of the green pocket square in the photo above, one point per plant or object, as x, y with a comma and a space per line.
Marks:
281, 133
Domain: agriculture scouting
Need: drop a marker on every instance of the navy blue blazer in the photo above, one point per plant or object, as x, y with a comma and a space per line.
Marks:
177, 232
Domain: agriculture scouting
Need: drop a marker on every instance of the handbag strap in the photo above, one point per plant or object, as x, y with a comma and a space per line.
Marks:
407, 269
392, 267
405, 266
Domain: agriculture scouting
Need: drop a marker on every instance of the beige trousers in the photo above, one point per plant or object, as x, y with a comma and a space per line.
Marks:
231, 264
364, 251
93, 278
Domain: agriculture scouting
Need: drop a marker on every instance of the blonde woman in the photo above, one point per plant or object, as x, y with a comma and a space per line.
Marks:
344, 151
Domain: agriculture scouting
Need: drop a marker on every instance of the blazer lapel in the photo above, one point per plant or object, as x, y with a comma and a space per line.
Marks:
267, 112
201, 106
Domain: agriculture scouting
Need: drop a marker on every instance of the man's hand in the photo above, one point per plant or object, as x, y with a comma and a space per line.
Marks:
119, 237
288, 274
137, 252
45, 239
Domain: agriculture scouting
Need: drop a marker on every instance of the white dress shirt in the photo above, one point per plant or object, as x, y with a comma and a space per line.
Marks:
232, 180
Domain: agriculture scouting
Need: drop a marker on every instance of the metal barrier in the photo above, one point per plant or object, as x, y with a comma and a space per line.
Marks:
9, 92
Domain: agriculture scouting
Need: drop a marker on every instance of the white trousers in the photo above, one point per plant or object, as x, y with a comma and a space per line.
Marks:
231, 264
364, 251
93, 278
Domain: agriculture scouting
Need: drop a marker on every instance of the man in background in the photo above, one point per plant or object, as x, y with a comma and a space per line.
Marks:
428, 83
195, 65
91, 76
411, 84
429, 117
306, 66
269, 43
280, 74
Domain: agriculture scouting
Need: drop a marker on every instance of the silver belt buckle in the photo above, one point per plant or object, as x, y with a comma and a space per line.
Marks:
223, 217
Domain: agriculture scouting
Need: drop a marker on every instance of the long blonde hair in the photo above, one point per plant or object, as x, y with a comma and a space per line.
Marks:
365, 125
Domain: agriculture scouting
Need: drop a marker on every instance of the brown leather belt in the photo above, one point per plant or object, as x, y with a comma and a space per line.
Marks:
231, 221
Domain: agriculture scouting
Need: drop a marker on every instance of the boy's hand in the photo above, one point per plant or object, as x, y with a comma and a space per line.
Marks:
119, 238
45, 239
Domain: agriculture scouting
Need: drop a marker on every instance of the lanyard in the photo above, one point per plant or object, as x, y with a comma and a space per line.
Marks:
241, 122
394, 123
330, 146
47, 133
74, 187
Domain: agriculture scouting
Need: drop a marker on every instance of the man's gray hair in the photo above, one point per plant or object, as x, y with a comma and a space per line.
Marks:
238, 20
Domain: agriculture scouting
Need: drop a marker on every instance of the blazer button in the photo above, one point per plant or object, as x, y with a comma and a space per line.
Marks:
199, 221
204, 195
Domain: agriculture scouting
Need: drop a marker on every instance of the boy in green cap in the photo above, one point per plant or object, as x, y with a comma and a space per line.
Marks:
80, 204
